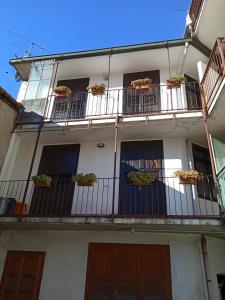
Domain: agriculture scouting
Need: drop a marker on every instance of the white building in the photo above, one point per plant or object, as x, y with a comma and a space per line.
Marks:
116, 239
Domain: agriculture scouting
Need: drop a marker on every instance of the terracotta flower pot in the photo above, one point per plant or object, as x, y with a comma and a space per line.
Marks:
173, 84
190, 180
97, 91
42, 184
20, 208
85, 183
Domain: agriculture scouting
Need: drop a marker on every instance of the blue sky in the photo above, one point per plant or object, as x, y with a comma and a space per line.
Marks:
72, 25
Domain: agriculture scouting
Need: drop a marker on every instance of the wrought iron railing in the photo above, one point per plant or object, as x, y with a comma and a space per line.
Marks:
110, 197
215, 71
128, 101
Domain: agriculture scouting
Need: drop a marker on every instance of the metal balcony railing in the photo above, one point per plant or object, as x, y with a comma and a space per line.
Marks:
215, 71
195, 9
110, 197
127, 102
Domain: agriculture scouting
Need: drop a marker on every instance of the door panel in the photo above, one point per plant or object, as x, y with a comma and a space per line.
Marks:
142, 200
127, 272
60, 162
75, 105
139, 102
22, 275
193, 93
134, 272
100, 277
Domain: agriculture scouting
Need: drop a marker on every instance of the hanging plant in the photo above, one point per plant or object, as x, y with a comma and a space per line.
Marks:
97, 89
141, 84
84, 179
175, 81
188, 177
62, 92
141, 178
42, 181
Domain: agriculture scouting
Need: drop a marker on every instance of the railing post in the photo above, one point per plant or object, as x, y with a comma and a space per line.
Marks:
115, 156
220, 48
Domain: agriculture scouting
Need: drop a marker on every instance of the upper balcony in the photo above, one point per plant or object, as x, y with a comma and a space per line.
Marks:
115, 68
213, 80
207, 20
127, 102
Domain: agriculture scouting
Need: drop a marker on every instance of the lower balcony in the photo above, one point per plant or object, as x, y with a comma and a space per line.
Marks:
165, 198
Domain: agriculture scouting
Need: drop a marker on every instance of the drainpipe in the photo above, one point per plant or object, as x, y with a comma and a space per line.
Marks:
183, 57
32, 160
206, 267
115, 156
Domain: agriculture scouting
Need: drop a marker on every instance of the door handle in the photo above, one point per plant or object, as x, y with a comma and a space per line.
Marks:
115, 295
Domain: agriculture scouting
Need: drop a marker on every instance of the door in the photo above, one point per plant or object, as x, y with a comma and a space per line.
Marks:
206, 187
60, 162
75, 106
193, 93
134, 272
22, 275
219, 156
150, 200
139, 102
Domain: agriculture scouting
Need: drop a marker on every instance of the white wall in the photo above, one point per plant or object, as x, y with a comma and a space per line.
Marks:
66, 259
7, 121
216, 256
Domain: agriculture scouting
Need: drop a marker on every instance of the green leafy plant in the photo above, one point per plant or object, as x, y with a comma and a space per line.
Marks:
42, 180
175, 81
97, 89
188, 177
141, 178
84, 179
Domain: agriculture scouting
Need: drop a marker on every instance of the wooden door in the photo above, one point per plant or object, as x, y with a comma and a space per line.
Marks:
75, 105
137, 102
134, 272
60, 162
22, 275
150, 200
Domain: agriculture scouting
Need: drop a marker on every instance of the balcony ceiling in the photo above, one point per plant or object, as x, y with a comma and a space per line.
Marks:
212, 22
132, 62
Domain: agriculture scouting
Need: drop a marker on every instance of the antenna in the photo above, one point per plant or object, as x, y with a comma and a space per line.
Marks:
32, 45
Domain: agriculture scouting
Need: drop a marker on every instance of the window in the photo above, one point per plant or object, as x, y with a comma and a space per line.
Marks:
22, 274
40, 79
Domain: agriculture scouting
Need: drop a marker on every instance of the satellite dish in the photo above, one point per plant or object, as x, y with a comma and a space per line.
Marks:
18, 77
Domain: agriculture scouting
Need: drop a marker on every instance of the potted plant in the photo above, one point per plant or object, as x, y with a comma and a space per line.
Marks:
141, 178
175, 81
97, 89
188, 177
84, 179
42, 181
62, 92
20, 208
141, 84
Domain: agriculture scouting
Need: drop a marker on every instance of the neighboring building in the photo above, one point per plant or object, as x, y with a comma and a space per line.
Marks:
9, 109
117, 239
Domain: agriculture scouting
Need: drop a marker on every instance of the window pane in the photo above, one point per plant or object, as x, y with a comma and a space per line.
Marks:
36, 71
32, 90
43, 89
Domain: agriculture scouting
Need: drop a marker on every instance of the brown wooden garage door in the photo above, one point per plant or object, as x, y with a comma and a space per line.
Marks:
128, 272
22, 275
